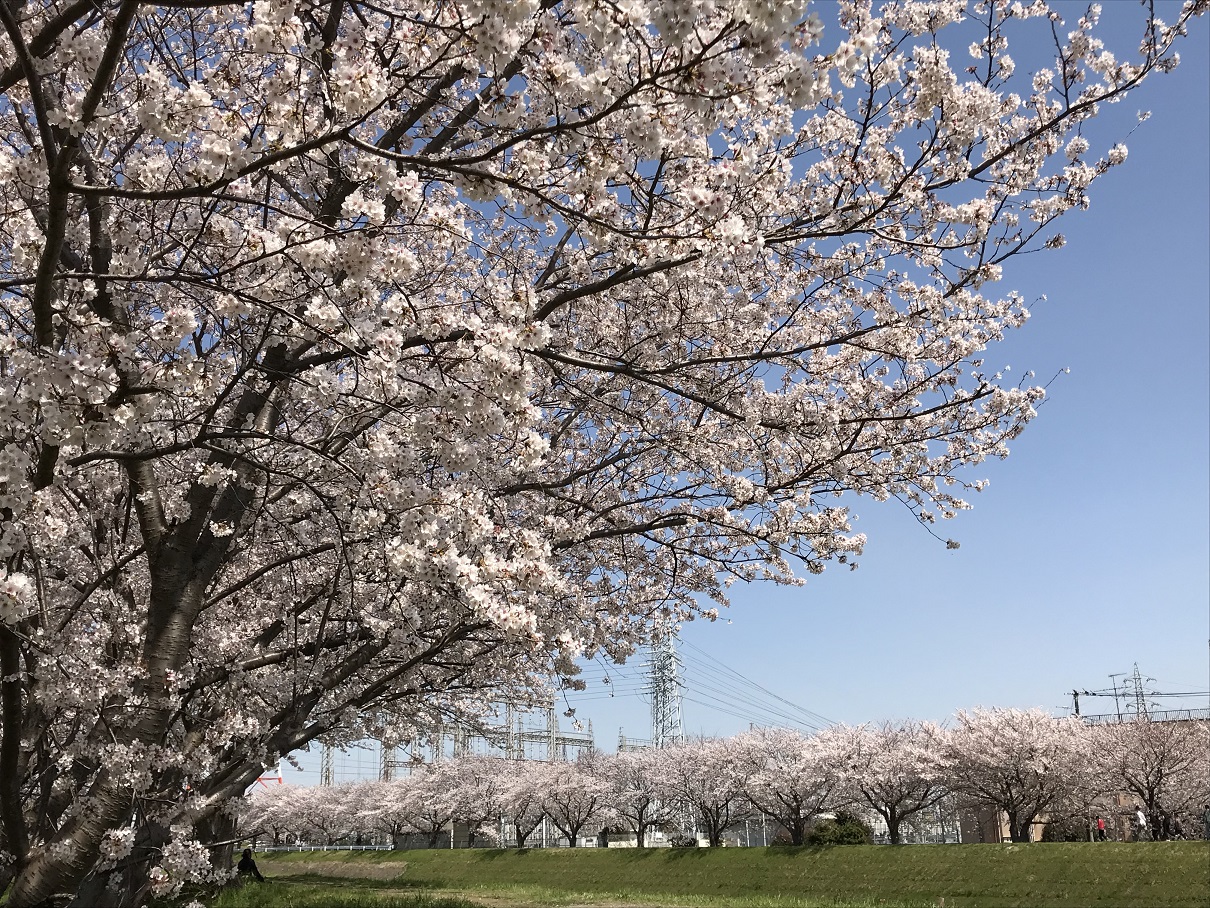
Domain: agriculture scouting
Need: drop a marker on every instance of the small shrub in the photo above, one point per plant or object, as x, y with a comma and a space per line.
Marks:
1067, 829
682, 841
845, 829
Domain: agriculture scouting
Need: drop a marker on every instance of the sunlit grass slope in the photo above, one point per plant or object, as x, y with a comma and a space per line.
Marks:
1108, 875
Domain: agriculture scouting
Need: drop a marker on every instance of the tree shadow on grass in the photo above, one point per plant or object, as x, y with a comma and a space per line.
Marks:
318, 879
623, 855
494, 854
641, 855
793, 851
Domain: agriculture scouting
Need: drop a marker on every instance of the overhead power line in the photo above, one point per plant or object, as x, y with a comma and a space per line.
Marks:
707, 681
754, 710
811, 718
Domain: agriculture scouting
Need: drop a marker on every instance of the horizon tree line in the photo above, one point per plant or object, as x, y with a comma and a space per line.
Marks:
1025, 764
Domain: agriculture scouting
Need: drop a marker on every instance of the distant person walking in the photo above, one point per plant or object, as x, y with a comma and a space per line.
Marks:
1100, 829
1206, 821
1140, 825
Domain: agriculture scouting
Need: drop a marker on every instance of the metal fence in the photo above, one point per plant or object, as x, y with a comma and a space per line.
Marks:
1160, 715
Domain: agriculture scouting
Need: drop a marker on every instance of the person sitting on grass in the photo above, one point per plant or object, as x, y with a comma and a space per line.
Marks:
247, 866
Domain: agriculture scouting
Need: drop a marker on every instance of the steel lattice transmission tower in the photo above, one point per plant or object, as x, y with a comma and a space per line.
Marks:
665, 692
325, 766
1140, 694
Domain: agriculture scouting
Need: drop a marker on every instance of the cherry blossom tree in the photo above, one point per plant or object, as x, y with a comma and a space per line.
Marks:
572, 796
636, 790
1021, 762
708, 778
1163, 764
383, 809
521, 799
791, 778
325, 814
428, 801
897, 769
322, 815
362, 364
476, 785
318, 815
269, 812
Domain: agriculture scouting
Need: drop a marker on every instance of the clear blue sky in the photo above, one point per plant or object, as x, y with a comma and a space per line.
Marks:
1090, 551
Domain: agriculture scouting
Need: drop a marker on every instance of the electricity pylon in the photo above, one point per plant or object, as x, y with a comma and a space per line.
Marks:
665, 690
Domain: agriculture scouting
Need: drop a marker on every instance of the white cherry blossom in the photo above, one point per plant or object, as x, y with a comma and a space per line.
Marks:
360, 370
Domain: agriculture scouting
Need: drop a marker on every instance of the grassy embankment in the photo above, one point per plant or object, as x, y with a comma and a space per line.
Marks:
1103, 875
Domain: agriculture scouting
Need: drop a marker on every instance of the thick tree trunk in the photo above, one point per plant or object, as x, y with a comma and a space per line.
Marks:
62, 871
1019, 827
218, 831
12, 810
523, 834
893, 822
176, 594
713, 821
99, 890
798, 830
573, 834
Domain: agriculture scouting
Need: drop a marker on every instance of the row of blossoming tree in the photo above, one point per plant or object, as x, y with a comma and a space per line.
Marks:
1025, 764
359, 361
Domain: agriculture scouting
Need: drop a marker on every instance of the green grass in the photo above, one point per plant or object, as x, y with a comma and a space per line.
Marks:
302, 895
1069, 875
329, 894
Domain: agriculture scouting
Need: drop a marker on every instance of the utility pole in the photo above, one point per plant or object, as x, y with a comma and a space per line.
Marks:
1116, 704
1075, 701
